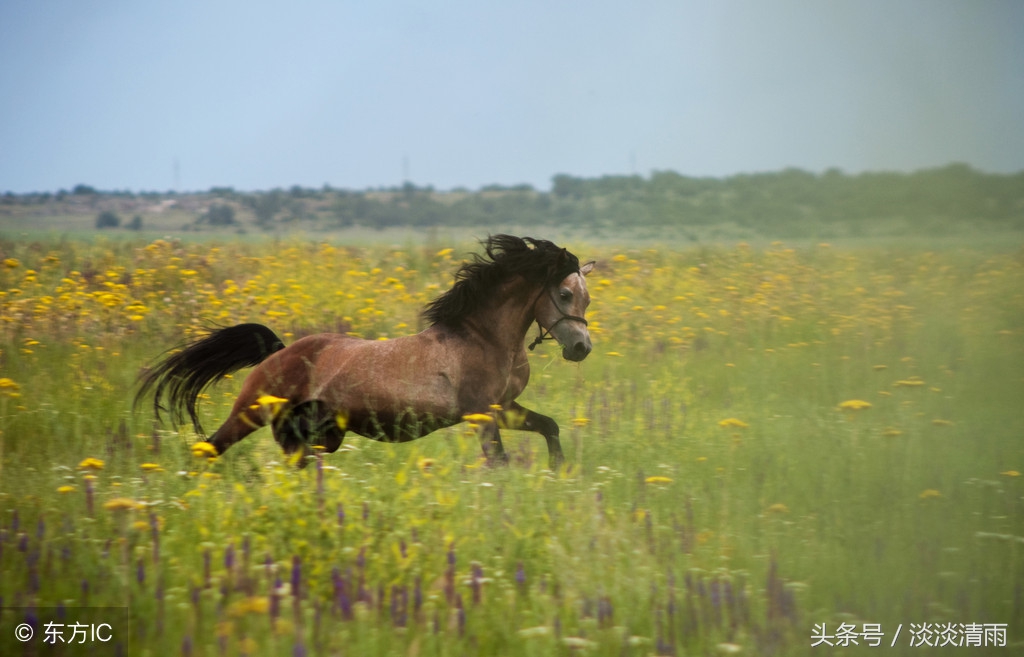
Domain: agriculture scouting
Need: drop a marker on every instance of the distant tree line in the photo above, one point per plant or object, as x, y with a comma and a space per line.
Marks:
788, 202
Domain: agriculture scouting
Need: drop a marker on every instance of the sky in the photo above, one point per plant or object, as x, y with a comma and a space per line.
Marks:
194, 94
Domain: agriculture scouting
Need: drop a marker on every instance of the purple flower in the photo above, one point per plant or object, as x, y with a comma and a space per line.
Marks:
460, 613
341, 514
154, 530
296, 576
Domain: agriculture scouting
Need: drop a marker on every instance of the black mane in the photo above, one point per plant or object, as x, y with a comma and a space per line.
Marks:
538, 261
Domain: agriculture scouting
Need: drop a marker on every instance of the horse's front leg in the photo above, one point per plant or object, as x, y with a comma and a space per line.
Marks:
490, 440
518, 417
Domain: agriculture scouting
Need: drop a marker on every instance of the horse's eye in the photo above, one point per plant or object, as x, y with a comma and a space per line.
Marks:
566, 295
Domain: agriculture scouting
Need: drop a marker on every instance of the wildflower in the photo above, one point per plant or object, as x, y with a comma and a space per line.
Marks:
854, 405
202, 449
1010, 473
658, 479
733, 422
120, 504
270, 402
929, 494
580, 421
908, 383
425, 464
477, 417
778, 507
65, 489
91, 463
150, 467
9, 388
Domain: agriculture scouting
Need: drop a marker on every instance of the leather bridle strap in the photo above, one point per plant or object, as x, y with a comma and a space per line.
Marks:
545, 333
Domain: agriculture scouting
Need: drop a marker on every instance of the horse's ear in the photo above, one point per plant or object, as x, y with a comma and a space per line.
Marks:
588, 267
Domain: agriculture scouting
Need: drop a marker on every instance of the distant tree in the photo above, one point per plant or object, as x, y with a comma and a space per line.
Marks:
108, 219
84, 190
219, 214
135, 223
566, 186
265, 206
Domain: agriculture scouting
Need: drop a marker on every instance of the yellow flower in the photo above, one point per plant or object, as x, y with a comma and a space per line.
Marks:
854, 405
908, 383
91, 464
268, 400
150, 467
929, 494
65, 489
9, 387
941, 423
202, 449
1010, 473
477, 417
120, 504
580, 421
778, 507
892, 432
425, 464
658, 479
733, 422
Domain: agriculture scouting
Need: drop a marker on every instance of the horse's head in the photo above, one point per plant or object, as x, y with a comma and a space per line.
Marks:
560, 312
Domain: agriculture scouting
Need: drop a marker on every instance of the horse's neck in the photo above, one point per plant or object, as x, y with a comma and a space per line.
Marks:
503, 324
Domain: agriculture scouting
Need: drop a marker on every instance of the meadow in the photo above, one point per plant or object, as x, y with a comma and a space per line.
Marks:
770, 446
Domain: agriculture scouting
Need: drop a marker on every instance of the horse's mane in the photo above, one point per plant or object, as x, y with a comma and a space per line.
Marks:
538, 261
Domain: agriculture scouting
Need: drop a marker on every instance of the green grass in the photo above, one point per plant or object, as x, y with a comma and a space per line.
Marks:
669, 534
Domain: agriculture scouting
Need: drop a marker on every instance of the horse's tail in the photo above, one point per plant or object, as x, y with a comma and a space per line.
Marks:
182, 376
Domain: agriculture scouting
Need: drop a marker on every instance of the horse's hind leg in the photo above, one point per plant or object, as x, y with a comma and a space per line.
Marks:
235, 428
518, 417
309, 423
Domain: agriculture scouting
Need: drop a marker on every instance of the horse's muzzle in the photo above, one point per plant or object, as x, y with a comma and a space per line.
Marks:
577, 352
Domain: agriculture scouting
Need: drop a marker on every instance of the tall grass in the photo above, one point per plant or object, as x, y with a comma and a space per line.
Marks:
720, 497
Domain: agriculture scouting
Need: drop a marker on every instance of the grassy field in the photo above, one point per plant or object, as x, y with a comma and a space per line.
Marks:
768, 446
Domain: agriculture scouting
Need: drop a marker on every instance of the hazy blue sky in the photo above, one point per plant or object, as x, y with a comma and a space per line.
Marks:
257, 95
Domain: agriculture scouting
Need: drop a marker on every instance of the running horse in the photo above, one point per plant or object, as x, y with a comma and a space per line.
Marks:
469, 362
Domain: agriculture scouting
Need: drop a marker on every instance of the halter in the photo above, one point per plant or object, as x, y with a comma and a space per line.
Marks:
545, 333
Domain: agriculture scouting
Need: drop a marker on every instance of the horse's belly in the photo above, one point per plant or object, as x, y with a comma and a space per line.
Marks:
399, 427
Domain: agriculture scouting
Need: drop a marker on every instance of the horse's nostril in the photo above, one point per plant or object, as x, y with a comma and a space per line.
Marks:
580, 349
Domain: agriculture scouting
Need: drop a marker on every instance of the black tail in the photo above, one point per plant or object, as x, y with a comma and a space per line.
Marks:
183, 376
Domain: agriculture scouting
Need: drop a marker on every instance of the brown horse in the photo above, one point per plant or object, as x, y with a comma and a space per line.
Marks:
469, 362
